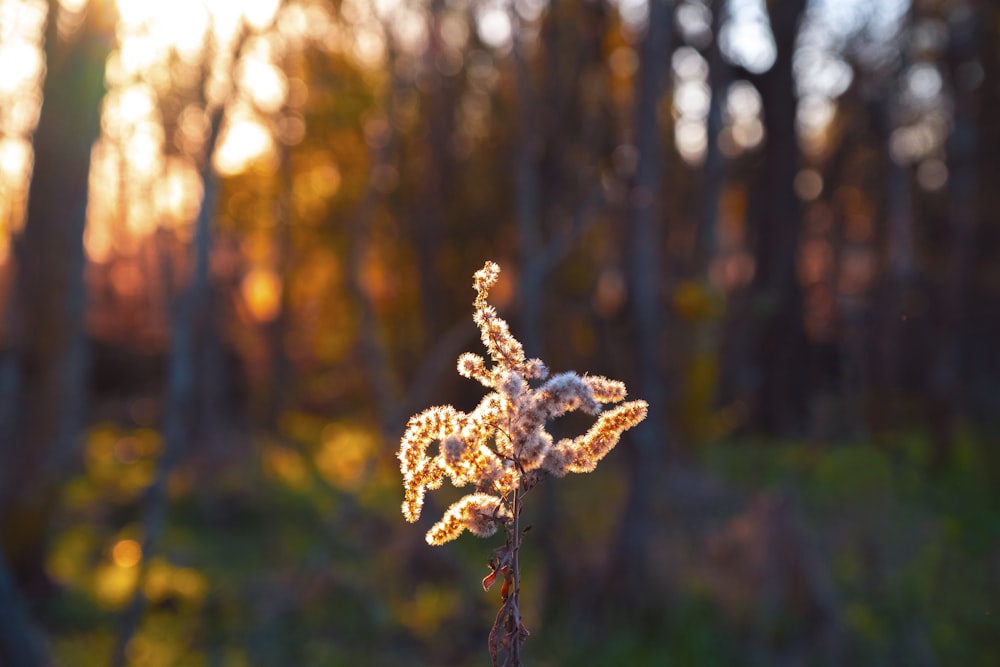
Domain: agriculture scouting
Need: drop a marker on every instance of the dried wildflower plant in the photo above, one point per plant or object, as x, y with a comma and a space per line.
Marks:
501, 446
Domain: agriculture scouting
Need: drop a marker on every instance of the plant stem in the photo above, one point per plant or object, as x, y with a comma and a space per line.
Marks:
515, 649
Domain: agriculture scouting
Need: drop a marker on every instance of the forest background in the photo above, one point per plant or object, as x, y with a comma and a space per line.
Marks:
237, 241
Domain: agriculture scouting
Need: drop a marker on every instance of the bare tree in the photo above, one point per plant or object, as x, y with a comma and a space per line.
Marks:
778, 331
714, 172
49, 323
947, 366
190, 326
646, 302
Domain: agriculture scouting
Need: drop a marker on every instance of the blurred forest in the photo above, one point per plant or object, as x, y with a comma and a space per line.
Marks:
236, 248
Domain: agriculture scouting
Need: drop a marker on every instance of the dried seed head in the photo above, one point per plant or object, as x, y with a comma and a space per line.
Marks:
504, 437
582, 454
479, 513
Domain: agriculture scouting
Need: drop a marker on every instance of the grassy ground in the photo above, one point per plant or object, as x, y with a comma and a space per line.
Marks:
292, 557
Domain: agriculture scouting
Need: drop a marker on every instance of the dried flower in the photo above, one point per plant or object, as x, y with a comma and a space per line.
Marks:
502, 446
478, 512
504, 437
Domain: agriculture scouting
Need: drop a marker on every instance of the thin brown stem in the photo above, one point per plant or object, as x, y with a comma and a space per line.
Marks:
515, 621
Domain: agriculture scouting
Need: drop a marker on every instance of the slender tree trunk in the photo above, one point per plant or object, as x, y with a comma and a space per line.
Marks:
533, 269
781, 397
277, 392
189, 331
49, 336
427, 233
900, 274
649, 443
21, 643
714, 170
372, 342
528, 206
189, 327
948, 365
982, 322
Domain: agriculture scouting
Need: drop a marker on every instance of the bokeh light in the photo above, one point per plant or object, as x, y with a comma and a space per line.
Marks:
126, 553
262, 293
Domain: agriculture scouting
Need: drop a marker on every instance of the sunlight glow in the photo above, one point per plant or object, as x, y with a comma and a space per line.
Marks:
183, 26
634, 13
814, 115
923, 81
745, 130
25, 19
143, 150
164, 51
383, 8
20, 64
410, 29
692, 140
126, 108
695, 22
911, 143
259, 13
369, 47
687, 63
14, 157
746, 37
244, 141
691, 100
177, 195
136, 12
743, 101
21, 67
493, 26
818, 69
266, 84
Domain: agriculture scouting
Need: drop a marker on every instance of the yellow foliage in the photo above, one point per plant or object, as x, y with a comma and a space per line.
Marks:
165, 580
68, 558
120, 462
113, 586
285, 465
697, 302
697, 410
345, 454
429, 608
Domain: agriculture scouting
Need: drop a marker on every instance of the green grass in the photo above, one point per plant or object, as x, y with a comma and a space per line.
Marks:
260, 568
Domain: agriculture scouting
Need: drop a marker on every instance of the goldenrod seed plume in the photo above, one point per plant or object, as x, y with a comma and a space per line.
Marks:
504, 437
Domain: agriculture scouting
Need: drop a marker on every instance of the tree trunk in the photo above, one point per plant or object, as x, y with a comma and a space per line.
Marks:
50, 292
428, 233
962, 148
190, 329
714, 170
629, 561
780, 393
900, 275
21, 643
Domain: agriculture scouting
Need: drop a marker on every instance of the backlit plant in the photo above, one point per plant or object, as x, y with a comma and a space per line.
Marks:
501, 447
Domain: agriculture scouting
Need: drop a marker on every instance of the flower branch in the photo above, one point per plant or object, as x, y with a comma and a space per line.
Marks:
501, 444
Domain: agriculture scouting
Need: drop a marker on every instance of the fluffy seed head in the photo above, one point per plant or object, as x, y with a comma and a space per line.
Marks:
479, 513
504, 437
